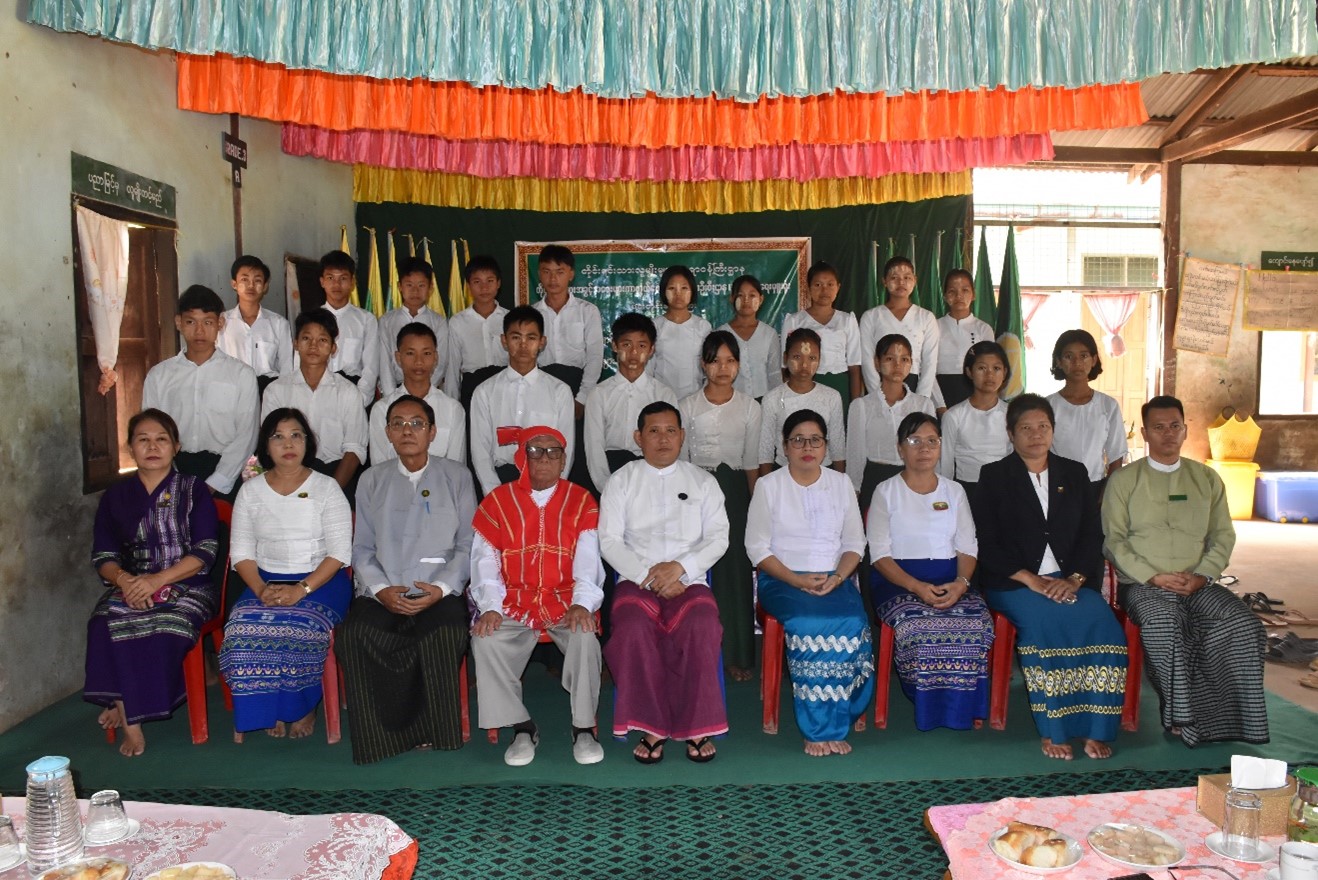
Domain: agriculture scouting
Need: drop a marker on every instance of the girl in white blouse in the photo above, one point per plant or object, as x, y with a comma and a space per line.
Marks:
761, 361
676, 360
975, 430
840, 354
1090, 428
722, 436
292, 537
922, 540
805, 534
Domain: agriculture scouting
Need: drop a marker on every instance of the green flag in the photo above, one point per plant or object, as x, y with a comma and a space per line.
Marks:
891, 252
986, 306
873, 290
958, 259
932, 280
1011, 333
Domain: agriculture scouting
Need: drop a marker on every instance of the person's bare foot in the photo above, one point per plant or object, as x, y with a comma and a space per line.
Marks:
859, 726
817, 749
700, 750
740, 673
1174, 730
650, 750
1096, 749
134, 742
840, 747
238, 737
109, 718
302, 728
279, 731
979, 723
1053, 750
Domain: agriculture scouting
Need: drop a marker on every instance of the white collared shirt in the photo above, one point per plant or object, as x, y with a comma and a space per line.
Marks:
334, 410
1093, 433
782, 401
840, 340
761, 365
510, 399
293, 533
903, 524
1039, 483
676, 360
872, 429
391, 374
574, 338
973, 438
920, 329
357, 348
473, 344
806, 528
266, 345
610, 423
650, 515
450, 427
722, 433
214, 405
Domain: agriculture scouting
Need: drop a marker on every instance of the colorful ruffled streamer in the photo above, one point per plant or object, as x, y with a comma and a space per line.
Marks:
799, 162
373, 184
741, 49
456, 111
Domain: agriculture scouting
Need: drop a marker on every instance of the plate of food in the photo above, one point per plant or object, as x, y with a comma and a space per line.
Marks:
195, 871
1035, 849
90, 869
1136, 846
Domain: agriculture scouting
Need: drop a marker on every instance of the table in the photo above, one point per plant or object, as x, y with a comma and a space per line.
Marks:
257, 844
963, 831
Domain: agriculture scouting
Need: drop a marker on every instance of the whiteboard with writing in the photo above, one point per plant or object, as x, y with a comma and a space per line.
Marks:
1206, 306
1281, 300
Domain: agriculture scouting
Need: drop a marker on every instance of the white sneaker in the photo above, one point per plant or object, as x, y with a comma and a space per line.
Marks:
522, 750
587, 750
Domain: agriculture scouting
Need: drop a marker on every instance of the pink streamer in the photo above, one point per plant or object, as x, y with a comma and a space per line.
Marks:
601, 162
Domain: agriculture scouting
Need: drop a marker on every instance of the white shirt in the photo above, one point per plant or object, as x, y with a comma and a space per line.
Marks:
266, 345
903, 524
610, 422
510, 399
973, 438
391, 375
919, 327
954, 340
781, 402
872, 429
215, 406
840, 339
761, 365
334, 410
294, 533
487, 585
450, 427
806, 528
1093, 434
676, 360
1039, 482
473, 343
721, 433
357, 348
650, 515
575, 339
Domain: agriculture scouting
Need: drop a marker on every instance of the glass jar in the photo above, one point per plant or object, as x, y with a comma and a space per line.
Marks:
1302, 823
54, 822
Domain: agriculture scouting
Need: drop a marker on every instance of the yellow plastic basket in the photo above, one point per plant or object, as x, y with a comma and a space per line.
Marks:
1231, 438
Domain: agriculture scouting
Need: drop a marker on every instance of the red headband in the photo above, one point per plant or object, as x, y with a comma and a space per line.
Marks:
522, 436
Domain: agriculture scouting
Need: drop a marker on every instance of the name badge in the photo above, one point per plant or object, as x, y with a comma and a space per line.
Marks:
940, 505
1178, 497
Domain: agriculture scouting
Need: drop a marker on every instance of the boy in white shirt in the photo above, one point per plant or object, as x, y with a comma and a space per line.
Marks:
415, 350
253, 334
414, 279
475, 350
357, 348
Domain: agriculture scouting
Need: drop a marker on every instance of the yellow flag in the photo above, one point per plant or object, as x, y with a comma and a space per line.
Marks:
395, 295
343, 246
374, 289
411, 245
436, 302
455, 297
466, 288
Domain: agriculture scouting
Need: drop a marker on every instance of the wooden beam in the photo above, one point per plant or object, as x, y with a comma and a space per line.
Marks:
1105, 156
1285, 114
1286, 70
1280, 158
1171, 272
1311, 143
1209, 97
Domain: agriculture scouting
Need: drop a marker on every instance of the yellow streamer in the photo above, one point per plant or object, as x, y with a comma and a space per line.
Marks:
353, 297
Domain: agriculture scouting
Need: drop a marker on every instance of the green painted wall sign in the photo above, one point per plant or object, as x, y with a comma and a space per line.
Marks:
103, 182
1295, 261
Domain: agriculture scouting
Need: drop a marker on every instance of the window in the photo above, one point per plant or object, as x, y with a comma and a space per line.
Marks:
1120, 271
1288, 373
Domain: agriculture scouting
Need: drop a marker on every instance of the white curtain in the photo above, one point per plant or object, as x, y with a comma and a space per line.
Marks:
103, 243
1030, 303
1112, 311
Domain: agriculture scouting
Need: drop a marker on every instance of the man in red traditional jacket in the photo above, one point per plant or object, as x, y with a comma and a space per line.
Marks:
536, 573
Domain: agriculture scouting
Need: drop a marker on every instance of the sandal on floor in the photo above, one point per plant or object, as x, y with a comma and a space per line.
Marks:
1291, 616
1309, 681
693, 747
1261, 599
1228, 580
1287, 651
650, 748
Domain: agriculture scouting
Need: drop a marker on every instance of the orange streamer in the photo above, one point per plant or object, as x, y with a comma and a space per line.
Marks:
223, 84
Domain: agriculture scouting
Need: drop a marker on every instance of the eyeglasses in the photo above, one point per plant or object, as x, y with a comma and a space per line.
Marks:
535, 453
294, 437
799, 442
414, 424
916, 442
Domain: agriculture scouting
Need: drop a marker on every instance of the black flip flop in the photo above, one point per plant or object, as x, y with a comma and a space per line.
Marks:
650, 749
697, 745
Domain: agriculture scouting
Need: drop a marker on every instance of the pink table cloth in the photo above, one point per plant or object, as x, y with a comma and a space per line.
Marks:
964, 831
257, 844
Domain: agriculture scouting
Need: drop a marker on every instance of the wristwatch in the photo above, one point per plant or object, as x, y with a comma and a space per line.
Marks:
1209, 580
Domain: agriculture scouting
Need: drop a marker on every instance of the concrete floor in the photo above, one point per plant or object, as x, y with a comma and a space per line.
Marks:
1281, 559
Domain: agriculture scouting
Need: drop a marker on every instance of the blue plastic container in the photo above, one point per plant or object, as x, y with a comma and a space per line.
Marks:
1287, 496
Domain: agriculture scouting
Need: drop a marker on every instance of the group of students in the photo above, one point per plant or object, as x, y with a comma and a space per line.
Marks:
713, 453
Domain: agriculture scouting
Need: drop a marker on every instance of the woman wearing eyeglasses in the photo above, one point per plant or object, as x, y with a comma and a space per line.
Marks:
292, 537
922, 540
805, 534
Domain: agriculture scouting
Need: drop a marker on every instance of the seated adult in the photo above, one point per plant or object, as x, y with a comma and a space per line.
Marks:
153, 545
536, 570
292, 536
662, 525
922, 540
1041, 564
1169, 534
805, 534
406, 631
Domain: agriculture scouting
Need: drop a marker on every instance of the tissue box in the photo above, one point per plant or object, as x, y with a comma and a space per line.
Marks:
1211, 801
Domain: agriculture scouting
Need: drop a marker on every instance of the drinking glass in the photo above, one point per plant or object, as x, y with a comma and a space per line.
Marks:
106, 819
9, 852
1240, 823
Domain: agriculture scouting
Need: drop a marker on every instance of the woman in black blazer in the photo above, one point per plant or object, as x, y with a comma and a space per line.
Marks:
1041, 564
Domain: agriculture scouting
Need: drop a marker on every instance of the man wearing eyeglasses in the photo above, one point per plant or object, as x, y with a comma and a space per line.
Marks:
406, 631
1170, 536
535, 573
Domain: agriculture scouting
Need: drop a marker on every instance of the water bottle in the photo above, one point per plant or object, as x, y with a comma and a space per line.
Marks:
54, 824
